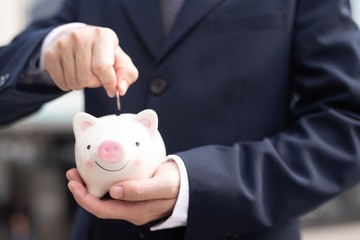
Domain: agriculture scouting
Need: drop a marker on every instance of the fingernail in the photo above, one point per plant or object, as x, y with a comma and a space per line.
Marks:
123, 86
117, 192
111, 94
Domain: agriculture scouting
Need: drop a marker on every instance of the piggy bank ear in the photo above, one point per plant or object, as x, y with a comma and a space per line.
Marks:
149, 119
82, 121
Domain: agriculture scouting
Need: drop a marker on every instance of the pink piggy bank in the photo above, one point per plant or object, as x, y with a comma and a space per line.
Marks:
113, 148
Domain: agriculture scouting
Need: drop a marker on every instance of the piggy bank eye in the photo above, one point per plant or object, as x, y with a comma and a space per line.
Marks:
88, 147
137, 144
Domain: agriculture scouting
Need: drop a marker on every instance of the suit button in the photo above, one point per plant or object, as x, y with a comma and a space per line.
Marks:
158, 86
142, 236
4, 78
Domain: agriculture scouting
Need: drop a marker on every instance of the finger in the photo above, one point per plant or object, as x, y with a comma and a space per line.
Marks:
138, 190
164, 184
103, 58
83, 198
73, 175
98, 207
138, 213
126, 72
84, 75
54, 67
67, 62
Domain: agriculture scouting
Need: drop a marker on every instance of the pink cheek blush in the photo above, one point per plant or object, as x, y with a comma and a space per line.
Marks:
89, 163
137, 163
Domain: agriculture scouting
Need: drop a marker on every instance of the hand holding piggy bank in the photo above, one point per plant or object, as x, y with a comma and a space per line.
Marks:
115, 148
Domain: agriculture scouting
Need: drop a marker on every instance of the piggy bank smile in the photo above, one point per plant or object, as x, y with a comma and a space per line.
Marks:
111, 170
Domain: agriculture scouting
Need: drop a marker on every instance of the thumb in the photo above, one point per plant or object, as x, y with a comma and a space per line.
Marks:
135, 190
164, 184
125, 70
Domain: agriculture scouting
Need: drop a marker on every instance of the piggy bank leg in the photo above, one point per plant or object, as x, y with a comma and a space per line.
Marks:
96, 192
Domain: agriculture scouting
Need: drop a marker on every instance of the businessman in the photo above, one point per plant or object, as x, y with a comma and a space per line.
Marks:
258, 103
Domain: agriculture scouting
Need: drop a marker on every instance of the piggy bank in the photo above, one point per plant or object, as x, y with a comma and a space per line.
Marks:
113, 148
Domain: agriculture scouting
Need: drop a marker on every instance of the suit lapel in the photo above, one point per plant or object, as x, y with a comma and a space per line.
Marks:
146, 17
191, 14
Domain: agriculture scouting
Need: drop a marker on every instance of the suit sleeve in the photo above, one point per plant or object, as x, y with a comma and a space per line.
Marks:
16, 99
254, 185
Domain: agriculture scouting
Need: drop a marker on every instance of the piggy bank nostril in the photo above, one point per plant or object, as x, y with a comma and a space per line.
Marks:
110, 151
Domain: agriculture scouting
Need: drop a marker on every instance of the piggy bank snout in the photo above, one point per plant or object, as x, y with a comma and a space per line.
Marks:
110, 151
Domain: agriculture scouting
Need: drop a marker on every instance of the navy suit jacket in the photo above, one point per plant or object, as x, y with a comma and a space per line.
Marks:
261, 99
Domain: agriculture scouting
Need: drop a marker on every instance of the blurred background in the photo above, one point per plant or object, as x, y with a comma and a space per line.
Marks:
36, 152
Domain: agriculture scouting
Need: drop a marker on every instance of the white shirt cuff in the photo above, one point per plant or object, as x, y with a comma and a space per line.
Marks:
180, 212
53, 35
